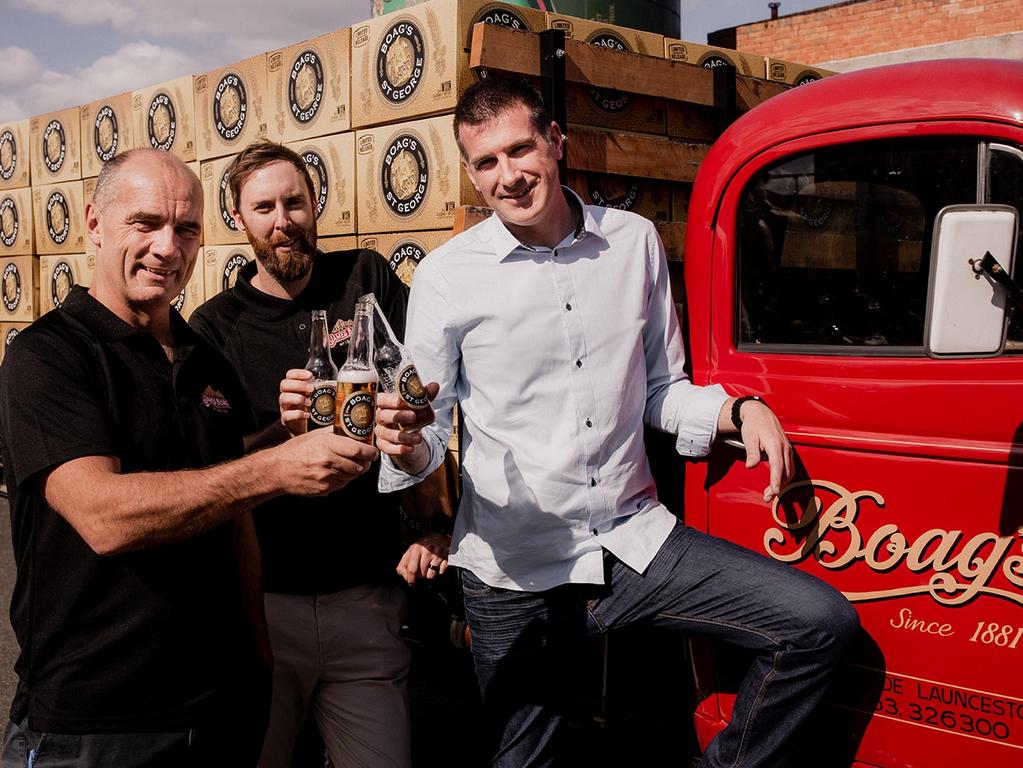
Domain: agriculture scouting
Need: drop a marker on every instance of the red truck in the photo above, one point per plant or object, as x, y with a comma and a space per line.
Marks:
828, 266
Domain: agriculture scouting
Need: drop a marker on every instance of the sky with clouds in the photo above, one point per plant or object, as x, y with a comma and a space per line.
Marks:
62, 53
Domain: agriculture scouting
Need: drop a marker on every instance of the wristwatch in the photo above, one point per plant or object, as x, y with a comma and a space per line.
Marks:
737, 405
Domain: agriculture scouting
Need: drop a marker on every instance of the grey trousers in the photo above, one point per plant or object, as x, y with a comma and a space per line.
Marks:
340, 657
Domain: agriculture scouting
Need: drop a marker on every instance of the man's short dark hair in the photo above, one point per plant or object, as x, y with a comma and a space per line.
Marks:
490, 97
260, 154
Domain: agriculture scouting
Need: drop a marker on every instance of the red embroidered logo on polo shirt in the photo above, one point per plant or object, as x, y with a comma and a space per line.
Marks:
338, 336
215, 401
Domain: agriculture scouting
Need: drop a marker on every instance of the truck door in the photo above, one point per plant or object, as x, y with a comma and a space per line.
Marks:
909, 494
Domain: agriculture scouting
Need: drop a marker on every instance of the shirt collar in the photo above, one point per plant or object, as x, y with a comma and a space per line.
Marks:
266, 304
93, 314
505, 243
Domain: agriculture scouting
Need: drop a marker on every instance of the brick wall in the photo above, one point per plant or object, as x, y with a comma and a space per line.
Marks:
865, 27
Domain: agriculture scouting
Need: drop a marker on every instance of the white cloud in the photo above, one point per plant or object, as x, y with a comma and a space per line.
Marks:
241, 27
20, 66
38, 90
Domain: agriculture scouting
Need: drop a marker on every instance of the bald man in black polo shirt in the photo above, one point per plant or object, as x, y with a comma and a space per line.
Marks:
136, 603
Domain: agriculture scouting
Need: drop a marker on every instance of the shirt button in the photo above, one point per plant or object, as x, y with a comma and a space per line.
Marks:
594, 531
593, 481
301, 326
568, 307
589, 423
578, 363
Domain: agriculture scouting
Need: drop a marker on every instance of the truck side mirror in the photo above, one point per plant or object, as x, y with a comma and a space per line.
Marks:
966, 309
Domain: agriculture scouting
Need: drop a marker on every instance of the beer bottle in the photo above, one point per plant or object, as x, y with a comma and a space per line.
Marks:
357, 380
321, 365
397, 372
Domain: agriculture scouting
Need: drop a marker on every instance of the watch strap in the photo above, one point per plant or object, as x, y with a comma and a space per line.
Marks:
737, 406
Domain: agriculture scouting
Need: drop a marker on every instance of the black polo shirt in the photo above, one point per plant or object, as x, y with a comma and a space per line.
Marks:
310, 545
150, 640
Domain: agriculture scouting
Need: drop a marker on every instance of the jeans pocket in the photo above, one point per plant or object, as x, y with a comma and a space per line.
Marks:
472, 586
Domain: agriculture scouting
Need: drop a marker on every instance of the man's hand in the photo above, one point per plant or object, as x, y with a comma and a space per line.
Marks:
320, 462
295, 399
406, 448
762, 434
426, 558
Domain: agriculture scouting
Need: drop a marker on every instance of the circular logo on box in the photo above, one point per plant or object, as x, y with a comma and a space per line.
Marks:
58, 218
404, 176
714, 59
61, 280
808, 76
400, 60
10, 336
611, 102
226, 200
161, 122
305, 86
104, 133
54, 146
9, 223
501, 15
234, 263
229, 107
317, 168
12, 287
405, 258
8, 155
612, 192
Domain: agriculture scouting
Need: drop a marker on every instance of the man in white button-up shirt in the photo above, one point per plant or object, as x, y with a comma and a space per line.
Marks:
552, 326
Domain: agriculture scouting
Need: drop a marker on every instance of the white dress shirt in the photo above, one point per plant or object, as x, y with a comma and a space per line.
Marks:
556, 357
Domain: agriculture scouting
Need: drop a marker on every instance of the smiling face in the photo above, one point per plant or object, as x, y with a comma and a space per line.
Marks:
515, 169
146, 227
276, 213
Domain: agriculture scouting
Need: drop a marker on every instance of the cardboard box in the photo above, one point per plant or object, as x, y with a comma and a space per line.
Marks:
414, 62
15, 166
403, 251
586, 105
17, 237
218, 223
309, 86
106, 131
410, 177
165, 117
331, 165
194, 292
711, 56
788, 72
58, 273
673, 237
220, 265
230, 107
56, 146
8, 331
648, 198
58, 215
19, 288
331, 244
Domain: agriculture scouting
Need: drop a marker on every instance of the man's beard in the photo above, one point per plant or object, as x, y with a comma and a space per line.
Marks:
286, 267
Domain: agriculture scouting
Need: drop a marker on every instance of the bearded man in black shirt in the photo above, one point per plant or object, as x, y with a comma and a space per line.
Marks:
333, 604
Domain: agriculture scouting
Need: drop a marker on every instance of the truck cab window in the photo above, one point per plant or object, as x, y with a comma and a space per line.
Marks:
1004, 185
834, 245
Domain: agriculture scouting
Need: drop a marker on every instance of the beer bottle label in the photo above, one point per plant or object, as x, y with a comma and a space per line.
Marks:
357, 413
411, 388
321, 413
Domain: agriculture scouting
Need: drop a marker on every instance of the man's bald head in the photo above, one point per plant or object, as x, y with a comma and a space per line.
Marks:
136, 159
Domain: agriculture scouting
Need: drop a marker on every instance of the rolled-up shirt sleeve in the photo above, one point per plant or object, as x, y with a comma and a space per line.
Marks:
674, 404
431, 340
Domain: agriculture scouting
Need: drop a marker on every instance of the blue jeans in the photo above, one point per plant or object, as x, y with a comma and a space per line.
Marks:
798, 628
